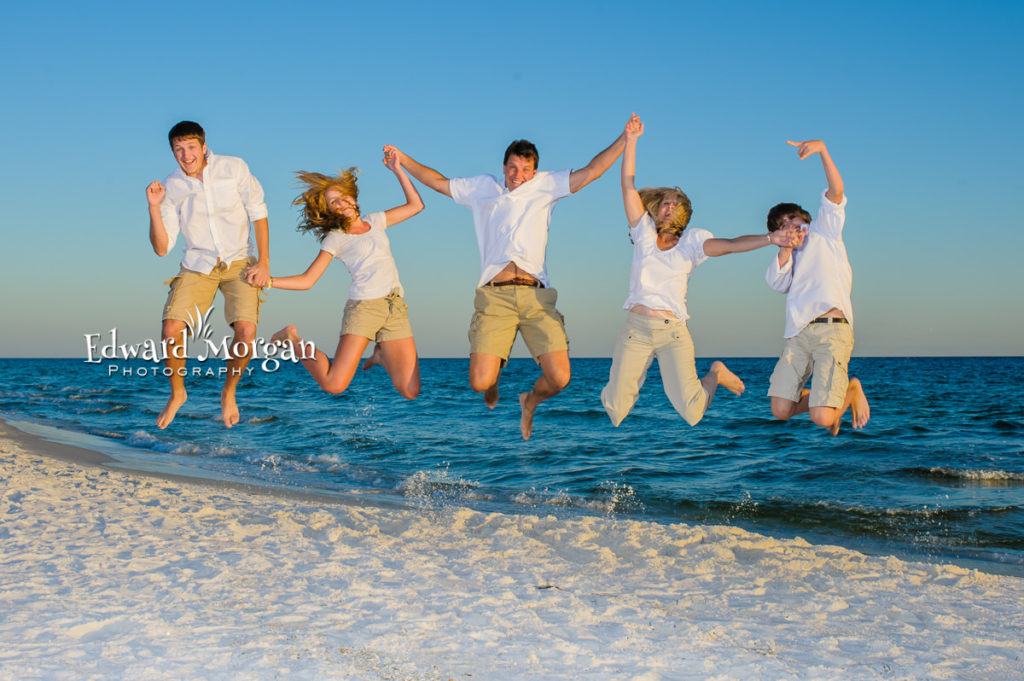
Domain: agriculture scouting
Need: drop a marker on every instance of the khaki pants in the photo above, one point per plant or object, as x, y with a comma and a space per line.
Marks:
642, 339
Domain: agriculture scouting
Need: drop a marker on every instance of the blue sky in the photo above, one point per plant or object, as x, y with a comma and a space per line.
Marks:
920, 106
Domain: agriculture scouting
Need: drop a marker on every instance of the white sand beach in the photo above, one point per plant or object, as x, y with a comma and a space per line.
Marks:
112, 575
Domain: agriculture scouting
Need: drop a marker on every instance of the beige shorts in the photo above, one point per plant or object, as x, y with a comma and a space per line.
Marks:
190, 290
642, 339
501, 311
821, 349
379, 319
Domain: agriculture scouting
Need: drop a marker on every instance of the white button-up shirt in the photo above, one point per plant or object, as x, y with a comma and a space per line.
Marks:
817, 276
511, 225
213, 215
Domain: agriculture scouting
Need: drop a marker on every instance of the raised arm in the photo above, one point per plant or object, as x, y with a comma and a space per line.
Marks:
835, 181
157, 232
413, 203
425, 174
630, 196
579, 179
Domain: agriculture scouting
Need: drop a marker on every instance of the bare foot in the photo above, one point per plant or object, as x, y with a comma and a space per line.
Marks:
288, 334
171, 409
526, 422
228, 407
728, 379
374, 359
859, 404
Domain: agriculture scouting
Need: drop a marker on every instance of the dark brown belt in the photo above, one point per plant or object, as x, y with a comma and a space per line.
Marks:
830, 320
517, 281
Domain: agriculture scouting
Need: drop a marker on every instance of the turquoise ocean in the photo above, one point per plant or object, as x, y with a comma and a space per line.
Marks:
937, 475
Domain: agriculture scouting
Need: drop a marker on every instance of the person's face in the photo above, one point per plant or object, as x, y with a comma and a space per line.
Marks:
341, 204
667, 208
191, 156
518, 170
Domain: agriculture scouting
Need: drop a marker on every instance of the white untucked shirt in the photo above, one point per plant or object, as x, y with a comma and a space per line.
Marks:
368, 259
213, 215
817, 276
511, 225
659, 279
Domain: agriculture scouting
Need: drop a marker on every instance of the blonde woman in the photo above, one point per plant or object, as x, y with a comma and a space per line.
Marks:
665, 253
376, 310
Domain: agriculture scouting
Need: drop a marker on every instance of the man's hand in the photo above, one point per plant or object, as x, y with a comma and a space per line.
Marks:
789, 237
257, 275
155, 193
634, 128
392, 158
807, 148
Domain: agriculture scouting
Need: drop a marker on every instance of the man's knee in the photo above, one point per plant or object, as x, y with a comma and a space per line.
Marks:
558, 376
782, 409
172, 328
244, 331
823, 416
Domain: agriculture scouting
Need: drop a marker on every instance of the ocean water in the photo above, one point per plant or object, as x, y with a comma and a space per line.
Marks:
937, 475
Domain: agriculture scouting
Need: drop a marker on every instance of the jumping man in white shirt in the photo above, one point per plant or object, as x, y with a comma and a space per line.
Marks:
817, 279
513, 294
210, 200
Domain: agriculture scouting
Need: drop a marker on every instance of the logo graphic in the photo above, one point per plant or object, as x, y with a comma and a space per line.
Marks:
198, 329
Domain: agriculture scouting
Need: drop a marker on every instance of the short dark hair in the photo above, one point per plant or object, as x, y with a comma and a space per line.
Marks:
523, 149
779, 212
186, 130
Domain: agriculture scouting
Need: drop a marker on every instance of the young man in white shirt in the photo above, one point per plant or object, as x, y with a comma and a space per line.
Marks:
817, 279
210, 200
511, 217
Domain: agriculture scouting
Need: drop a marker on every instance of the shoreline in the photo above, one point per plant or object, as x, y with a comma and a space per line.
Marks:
111, 574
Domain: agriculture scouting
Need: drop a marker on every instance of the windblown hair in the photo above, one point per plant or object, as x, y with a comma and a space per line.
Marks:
523, 149
780, 212
186, 130
316, 216
652, 198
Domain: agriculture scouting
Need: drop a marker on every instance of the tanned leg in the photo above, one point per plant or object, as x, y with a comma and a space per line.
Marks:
333, 377
484, 373
555, 374
173, 335
245, 333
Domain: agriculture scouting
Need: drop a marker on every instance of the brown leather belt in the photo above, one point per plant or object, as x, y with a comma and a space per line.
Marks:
517, 281
830, 320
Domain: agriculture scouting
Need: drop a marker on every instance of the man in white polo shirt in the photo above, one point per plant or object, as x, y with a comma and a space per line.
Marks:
817, 279
511, 217
210, 200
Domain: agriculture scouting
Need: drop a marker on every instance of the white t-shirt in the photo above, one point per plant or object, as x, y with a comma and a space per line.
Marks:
368, 259
511, 225
213, 215
817, 276
658, 279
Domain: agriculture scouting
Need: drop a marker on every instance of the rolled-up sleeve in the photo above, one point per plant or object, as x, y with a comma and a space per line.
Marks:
251, 193
780, 278
169, 214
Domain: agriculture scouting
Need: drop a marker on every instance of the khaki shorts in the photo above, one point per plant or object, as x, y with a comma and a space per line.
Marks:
642, 339
190, 290
379, 319
501, 311
823, 349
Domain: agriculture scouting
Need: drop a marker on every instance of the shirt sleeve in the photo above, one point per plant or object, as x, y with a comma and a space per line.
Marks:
695, 239
251, 192
376, 220
332, 242
465, 189
644, 230
172, 226
558, 183
780, 278
830, 218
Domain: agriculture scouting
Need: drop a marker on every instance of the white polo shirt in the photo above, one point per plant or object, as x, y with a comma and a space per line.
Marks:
511, 225
368, 259
817, 276
659, 279
213, 215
